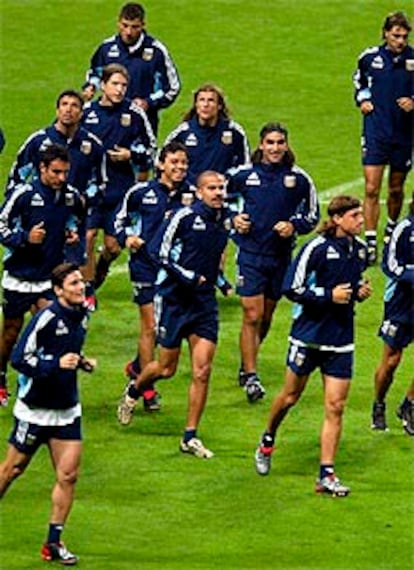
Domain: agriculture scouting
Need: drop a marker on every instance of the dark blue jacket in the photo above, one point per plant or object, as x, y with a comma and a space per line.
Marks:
218, 148
87, 160
125, 125
382, 77
398, 266
269, 194
27, 206
53, 332
321, 264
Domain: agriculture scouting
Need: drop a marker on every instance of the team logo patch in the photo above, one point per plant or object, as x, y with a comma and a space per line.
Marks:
227, 137
114, 51
253, 179
199, 224
162, 332
377, 62
86, 147
299, 359
61, 328
331, 253
92, 118
150, 197
191, 140
227, 224
126, 119
240, 281
148, 54
69, 199
289, 181
187, 198
37, 200
409, 64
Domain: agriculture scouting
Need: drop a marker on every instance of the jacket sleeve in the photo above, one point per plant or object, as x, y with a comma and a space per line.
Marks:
167, 83
307, 214
398, 257
362, 91
25, 166
12, 234
29, 355
299, 284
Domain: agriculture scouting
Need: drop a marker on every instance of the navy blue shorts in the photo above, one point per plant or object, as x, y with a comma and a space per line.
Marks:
76, 252
16, 304
177, 321
396, 335
143, 275
27, 437
304, 360
260, 275
376, 153
101, 217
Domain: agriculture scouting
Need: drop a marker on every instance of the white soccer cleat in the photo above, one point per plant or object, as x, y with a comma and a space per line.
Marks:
126, 409
195, 446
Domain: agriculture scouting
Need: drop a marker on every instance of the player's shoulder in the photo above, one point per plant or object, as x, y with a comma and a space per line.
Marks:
369, 52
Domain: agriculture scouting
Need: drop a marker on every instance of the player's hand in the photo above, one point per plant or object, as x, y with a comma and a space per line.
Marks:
71, 237
284, 229
87, 364
69, 361
242, 223
366, 107
37, 233
365, 290
141, 103
119, 154
134, 243
406, 104
342, 294
88, 92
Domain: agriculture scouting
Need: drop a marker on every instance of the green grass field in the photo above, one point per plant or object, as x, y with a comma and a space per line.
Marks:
141, 504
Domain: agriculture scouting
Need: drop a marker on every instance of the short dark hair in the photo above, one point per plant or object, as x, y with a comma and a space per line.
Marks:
395, 19
112, 68
60, 272
69, 93
132, 11
54, 152
171, 148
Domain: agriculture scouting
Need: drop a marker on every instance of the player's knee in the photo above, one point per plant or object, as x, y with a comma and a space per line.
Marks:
202, 373
393, 361
372, 191
335, 407
68, 477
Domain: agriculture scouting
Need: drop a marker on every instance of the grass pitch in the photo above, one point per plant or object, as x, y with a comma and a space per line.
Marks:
140, 503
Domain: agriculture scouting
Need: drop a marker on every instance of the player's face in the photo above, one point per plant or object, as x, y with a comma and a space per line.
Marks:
273, 146
396, 39
55, 174
130, 30
69, 111
174, 168
72, 291
211, 190
207, 107
113, 91
351, 222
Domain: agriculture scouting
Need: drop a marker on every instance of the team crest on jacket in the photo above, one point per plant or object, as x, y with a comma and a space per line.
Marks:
148, 54
289, 181
37, 200
409, 64
227, 137
86, 147
187, 198
61, 328
227, 224
199, 224
126, 119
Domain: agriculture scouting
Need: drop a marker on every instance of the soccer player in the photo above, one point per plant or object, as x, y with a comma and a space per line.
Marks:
35, 223
154, 83
213, 140
397, 328
325, 281
129, 142
47, 409
87, 168
280, 200
137, 220
384, 92
186, 307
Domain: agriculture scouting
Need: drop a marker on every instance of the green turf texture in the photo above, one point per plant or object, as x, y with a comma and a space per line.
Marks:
140, 504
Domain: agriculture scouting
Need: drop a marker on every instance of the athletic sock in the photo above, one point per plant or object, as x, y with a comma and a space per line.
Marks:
268, 440
326, 470
133, 392
371, 238
189, 434
389, 228
3, 380
136, 366
55, 530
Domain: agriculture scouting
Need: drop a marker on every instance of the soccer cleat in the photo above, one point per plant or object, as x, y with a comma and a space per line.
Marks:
151, 400
195, 446
332, 486
126, 408
263, 459
57, 551
254, 389
379, 422
242, 377
406, 414
4, 396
